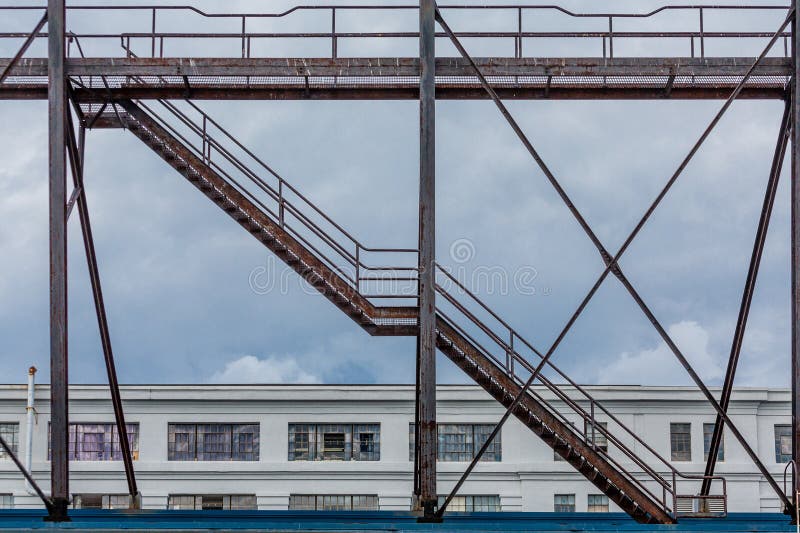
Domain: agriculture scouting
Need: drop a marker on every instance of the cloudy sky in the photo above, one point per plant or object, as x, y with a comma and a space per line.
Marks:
177, 272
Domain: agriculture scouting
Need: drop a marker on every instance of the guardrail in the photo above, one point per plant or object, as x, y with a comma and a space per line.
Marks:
151, 38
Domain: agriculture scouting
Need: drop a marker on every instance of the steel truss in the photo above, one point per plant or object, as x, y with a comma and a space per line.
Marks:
100, 91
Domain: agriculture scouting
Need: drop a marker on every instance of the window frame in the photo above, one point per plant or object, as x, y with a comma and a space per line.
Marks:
676, 454
213, 441
309, 442
112, 450
603, 507
785, 431
11, 438
473, 438
564, 507
323, 502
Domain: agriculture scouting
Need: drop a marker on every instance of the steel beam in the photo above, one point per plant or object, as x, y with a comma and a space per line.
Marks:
747, 293
59, 417
425, 496
76, 153
391, 67
795, 255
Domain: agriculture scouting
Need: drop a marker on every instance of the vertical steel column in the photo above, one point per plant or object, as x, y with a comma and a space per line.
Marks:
59, 419
426, 339
795, 225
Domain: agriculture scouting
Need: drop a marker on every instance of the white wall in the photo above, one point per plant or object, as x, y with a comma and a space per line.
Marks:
526, 479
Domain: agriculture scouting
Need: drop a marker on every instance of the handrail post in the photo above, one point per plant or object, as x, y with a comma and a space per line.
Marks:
153, 35
281, 202
358, 267
334, 51
244, 44
702, 39
519, 32
611, 37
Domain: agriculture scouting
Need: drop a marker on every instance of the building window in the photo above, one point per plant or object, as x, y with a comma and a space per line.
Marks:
472, 504
98, 442
598, 503
680, 438
564, 503
213, 442
334, 442
6, 501
211, 502
461, 442
783, 443
708, 432
596, 434
101, 501
10, 433
333, 502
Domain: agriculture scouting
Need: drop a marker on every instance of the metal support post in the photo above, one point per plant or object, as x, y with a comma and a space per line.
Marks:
747, 293
59, 418
795, 254
76, 152
426, 440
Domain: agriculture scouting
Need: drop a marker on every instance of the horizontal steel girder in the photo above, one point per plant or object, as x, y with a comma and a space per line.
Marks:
397, 78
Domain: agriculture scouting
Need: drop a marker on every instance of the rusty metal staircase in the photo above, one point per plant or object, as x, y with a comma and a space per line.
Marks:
571, 422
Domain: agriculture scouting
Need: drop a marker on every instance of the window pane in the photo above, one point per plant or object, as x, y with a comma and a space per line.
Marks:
564, 503
708, 432
243, 502
482, 432
301, 442
302, 502
783, 443
598, 503
681, 442
455, 442
367, 442
213, 442
10, 433
212, 502
98, 442
181, 502
6, 501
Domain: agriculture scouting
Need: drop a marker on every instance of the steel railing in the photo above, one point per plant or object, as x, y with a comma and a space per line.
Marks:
289, 208
151, 41
505, 345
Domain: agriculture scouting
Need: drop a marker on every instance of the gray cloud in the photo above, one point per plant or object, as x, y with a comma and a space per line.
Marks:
176, 270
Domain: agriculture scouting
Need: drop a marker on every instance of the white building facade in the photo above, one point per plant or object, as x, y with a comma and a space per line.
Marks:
348, 447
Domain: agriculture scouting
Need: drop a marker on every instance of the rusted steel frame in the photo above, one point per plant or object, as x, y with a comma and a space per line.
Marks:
57, 111
795, 259
611, 263
426, 428
47, 503
749, 289
59, 421
404, 67
76, 154
400, 93
24, 48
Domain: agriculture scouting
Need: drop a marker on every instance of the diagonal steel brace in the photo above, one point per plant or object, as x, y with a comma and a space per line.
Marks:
612, 262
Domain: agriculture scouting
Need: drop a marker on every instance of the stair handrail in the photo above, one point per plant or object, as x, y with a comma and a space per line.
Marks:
352, 258
586, 417
646, 469
589, 418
